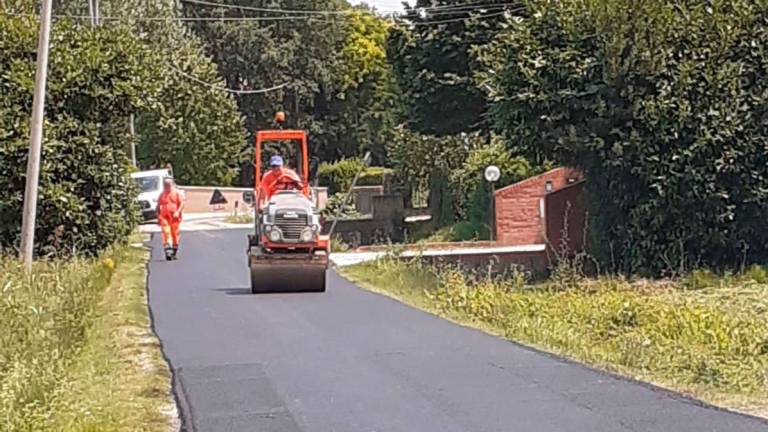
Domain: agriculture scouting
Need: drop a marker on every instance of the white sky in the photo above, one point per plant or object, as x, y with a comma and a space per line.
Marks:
383, 5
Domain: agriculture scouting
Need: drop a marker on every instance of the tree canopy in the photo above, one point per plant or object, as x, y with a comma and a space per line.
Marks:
662, 104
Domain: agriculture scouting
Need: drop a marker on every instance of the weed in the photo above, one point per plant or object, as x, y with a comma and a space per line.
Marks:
73, 324
244, 219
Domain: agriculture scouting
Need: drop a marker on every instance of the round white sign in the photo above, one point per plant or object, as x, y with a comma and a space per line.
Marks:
492, 173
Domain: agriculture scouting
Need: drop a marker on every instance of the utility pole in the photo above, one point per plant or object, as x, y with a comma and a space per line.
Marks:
35, 139
96, 17
90, 12
133, 140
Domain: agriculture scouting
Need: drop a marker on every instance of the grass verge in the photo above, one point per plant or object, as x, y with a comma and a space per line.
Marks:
709, 342
81, 355
239, 219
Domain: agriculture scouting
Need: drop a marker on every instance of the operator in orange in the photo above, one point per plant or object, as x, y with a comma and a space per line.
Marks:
277, 178
170, 206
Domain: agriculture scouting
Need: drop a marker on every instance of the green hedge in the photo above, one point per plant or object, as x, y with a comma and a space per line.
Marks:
95, 80
338, 176
663, 106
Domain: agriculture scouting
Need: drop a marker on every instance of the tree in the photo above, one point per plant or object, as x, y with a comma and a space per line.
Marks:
86, 198
365, 112
194, 125
337, 83
430, 52
300, 53
661, 105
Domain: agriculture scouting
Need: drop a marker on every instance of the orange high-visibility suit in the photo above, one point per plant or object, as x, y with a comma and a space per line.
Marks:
169, 206
277, 179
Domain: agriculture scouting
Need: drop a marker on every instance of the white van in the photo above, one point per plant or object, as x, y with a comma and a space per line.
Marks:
150, 184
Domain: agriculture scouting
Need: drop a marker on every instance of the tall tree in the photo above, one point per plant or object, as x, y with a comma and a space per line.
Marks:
269, 49
431, 54
96, 78
328, 58
194, 125
662, 104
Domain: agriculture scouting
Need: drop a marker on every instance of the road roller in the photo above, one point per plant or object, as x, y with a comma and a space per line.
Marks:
287, 252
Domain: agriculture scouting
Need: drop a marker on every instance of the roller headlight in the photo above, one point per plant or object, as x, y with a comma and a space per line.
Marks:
275, 235
307, 235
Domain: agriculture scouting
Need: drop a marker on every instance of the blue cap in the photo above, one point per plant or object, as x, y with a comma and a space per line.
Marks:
275, 161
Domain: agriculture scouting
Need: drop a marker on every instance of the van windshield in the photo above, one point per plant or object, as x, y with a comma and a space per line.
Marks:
147, 184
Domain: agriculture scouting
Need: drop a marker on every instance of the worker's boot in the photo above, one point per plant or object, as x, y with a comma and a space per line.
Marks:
168, 253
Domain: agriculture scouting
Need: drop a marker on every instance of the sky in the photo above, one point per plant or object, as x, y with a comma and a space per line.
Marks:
383, 5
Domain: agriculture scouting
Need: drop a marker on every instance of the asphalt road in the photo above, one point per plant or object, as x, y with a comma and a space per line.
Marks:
352, 361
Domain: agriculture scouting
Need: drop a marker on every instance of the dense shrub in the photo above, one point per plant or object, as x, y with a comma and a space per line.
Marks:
333, 207
663, 106
471, 192
338, 176
96, 78
453, 168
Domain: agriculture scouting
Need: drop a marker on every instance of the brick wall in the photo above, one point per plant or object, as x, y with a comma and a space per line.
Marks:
199, 197
519, 207
566, 211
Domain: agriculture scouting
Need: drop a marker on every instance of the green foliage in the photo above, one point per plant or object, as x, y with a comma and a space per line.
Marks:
660, 105
49, 314
338, 176
193, 125
335, 204
96, 78
339, 89
469, 187
453, 167
430, 53
710, 343
80, 331
196, 129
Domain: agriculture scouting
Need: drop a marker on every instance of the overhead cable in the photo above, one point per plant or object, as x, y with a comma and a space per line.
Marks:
225, 89
429, 9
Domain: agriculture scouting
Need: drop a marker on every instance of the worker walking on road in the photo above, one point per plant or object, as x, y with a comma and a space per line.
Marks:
170, 206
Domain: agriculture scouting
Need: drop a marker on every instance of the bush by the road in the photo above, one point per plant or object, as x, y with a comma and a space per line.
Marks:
711, 341
96, 79
77, 352
662, 105
338, 176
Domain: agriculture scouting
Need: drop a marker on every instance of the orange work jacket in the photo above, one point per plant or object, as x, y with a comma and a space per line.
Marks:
168, 203
276, 180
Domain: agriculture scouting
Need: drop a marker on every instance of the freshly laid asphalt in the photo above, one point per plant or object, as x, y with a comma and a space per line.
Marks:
351, 361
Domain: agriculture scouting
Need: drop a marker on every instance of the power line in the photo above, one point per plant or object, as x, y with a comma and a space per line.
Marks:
225, 89
483, 9
168, 19
446, 21
250, 19
437, 9
259, 9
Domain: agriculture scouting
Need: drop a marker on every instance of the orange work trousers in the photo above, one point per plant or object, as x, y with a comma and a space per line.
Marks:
170, 229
